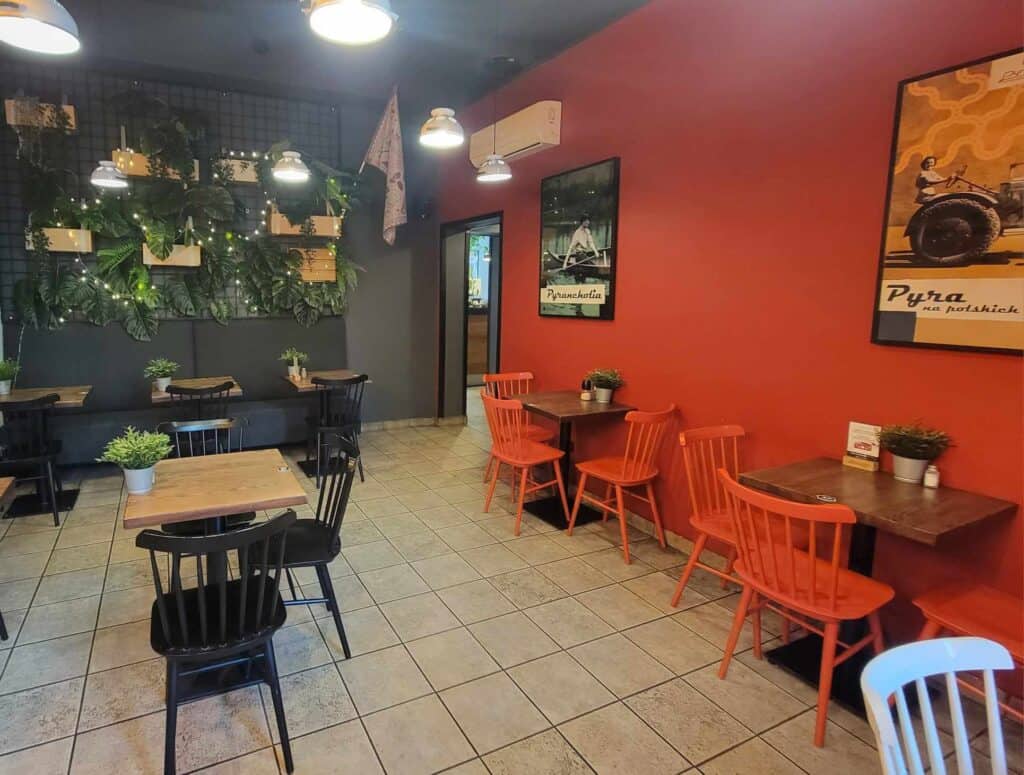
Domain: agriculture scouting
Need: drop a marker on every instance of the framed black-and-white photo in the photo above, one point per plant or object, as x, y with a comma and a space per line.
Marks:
578, 233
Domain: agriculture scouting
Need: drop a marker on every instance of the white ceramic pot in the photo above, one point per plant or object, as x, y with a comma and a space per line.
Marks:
162, 383
139, 481
906, 469
5, 387
603, 395
293, 372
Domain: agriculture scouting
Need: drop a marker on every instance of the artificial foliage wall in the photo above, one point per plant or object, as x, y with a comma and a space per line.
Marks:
190, 237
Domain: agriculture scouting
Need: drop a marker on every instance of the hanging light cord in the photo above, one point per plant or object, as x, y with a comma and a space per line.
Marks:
494, 92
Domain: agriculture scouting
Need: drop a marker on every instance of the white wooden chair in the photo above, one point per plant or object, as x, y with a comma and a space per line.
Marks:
885, 678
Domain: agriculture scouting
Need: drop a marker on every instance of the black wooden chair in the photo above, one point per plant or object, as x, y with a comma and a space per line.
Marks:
200, 403
26, 448
313, 543
217, 627
195, 438
339, 411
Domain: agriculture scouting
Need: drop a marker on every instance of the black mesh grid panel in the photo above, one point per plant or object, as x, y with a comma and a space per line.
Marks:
238, 121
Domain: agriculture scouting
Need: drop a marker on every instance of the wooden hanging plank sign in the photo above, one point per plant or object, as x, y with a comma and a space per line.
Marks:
242, 170
318, 265
328, 226
23, 112
181, 255
137, 164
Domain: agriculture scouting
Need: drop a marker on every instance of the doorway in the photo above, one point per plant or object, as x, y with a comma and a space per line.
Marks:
470, 308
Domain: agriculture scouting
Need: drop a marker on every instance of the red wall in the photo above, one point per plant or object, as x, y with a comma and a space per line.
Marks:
754, 140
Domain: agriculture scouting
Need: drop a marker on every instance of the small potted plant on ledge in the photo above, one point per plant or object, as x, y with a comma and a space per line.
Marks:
161, 371
8, 371
297, 358
137, 452
605, 382
913, 447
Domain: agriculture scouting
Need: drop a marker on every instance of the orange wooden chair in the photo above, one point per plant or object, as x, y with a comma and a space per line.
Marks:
506, 385
802, 586
634, 469
510, 447
705, 450
974, 609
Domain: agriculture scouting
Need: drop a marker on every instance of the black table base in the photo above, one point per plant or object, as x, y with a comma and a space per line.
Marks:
550, 510
308, 467
31, 504
802, 658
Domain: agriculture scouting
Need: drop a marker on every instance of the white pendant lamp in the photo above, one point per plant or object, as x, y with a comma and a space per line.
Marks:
107, 175
43, 26
290, 168
494, 170
351, 22
442, 130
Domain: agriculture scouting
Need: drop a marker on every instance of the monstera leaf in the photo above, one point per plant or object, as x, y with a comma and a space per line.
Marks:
210, 203
140, 321
160, 238
220, 311
180, 299
305, 313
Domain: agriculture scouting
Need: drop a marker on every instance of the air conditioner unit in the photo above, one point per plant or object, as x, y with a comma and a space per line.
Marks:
530, 130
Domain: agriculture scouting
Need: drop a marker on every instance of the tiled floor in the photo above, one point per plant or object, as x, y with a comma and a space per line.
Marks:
474, 651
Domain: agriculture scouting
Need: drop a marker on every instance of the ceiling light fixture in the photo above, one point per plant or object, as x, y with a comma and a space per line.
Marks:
351, 22
290, 168
442, 130
494, 169
107, 175
43, 26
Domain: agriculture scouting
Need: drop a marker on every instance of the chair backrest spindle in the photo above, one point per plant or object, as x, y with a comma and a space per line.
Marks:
705, 450
643, 441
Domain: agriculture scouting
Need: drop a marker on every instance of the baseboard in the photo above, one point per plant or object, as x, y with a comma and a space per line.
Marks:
414, 422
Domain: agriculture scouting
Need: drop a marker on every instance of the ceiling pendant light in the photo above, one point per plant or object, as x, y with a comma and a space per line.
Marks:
290, 168
494, 170
43, 26
352, 22
107, 175
442, 130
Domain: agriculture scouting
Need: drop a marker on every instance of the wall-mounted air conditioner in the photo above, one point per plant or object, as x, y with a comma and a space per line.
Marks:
530, 130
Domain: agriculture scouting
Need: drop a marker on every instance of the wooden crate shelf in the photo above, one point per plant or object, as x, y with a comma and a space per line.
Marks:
327, 226
137, 165
65, 240
318, 265
45, 116
181, 255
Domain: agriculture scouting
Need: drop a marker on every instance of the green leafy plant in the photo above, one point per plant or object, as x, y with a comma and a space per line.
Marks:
159, 368
136, 449
914, 441
294, 357
8, 369
610, 379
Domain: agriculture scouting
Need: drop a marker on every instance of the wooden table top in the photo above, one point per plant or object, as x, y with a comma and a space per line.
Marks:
566, 405
306, 385
71, 397
918, 513
215, 486
7, 493
161, 396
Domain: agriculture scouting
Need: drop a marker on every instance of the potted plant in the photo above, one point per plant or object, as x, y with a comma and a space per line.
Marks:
297, 358
913, 447
137, 452
605, 382
8, 371
161, 370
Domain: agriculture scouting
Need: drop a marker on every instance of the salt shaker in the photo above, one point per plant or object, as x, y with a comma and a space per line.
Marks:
931, 477
303, 373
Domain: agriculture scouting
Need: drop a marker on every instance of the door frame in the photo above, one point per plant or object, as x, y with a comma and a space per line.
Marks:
447, 229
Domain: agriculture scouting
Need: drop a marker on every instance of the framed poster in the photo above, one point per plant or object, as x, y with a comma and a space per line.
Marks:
951, 272
579, 215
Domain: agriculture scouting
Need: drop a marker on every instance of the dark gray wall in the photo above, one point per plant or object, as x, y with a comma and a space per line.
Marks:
454, 324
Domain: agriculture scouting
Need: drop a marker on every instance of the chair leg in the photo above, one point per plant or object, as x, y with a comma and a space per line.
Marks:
684, 577
319, 456
930, 630
494, 483
623, 530
275, 694
786, 624
580, 487
171, 728
487, 470
878, 639
521, 498
54, 504
3, 628
327, 587
656, 514
561, 490
607, 498
730, 561
755, 623
737, 628
828, 658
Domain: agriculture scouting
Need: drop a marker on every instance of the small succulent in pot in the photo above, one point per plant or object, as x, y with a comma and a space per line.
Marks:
297, 358
137, 452
161, 371
8, 371
605, 382
913, 447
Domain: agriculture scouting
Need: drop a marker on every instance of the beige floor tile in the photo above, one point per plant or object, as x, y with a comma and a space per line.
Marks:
614, 740
46, 662
537, 550
367, 557
580, 542
618, 606
493, 712
527, 587
366, 629
574, 576
382, 679
785, 680
560, 687
754, 757
544, 754
77, 558
393, 583
462, 537
25, 566
48, 759
493, 559
658, 588
451, 658
70, 586
446, 570
17, 594
676, 647
300, 647
403, 486
842, 751
313, 699
650, 551
121, 645
512, 639
611, 563
420, 545
420, 501
475, 601
472, 767
72, 536
124, 606
400, 524
712, 622
417, 738
58, 619
752, 700
419, 616
693, 724
442, 516
127, 575
123, 693
257, 763
569, 622
339, 750
356, 533
13, 620
30, 543
39, 715
620, 665
502, 527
